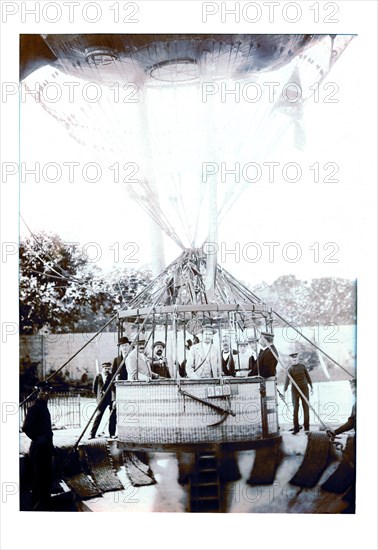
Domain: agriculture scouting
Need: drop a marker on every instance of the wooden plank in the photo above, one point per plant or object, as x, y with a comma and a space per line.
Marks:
192, 308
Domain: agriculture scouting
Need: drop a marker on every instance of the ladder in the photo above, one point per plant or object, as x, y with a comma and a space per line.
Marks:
205, 494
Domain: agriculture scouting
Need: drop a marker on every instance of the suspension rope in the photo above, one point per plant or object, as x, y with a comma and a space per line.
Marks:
276, 356
108, 389
60, 270
297, 331
313, 344
72, 357
297, 387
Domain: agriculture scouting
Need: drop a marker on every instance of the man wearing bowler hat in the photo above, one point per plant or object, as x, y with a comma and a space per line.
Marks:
37, 426
159, 363
203, 360
124, 345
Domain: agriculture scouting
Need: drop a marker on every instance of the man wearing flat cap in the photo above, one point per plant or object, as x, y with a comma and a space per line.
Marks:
300, 381
37, 426
266, 362
104, 397
159, 363
203, 359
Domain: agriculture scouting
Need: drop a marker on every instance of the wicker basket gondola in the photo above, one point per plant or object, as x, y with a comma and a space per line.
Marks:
163, 415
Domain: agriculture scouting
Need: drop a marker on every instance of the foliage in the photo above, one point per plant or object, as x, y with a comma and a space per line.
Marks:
28, 376
62, 291
307, 303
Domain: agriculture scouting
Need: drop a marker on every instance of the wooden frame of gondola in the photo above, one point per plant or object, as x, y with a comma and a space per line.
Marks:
194, 308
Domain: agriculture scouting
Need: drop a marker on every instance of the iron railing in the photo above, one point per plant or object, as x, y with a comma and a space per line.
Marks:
65, 410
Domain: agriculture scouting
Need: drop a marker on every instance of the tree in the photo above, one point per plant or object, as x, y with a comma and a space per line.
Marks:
306, 303
61, 291
54, 283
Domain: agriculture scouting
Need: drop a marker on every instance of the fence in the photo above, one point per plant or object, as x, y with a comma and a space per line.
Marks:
65, 410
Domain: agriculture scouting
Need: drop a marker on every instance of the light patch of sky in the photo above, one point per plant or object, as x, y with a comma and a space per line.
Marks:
254, 238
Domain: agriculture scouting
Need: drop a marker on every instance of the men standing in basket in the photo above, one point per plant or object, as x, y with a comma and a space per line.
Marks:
138, 365
266, 362
203, 360
159, 363
300, 380
227, 356
124, 346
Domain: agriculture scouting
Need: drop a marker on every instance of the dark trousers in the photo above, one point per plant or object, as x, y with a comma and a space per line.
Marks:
99, 415
296, 397
41, 471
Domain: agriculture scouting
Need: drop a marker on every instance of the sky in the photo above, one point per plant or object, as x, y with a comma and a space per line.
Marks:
274, 228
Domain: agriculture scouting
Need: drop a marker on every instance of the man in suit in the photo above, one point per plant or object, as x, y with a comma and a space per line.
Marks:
227, 356
124, 346
159, 363
100, 386
203, 360
243, 359
266, 362
37, 426
138, 365
254, 351
302, 379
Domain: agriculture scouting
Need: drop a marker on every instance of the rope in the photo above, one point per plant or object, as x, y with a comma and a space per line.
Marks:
87, 343
296, 385
296, 330
136, 339
60, 271
313, 344
70, 359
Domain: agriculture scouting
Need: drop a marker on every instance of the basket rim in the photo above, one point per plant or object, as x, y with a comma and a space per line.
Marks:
188, 308
187, 381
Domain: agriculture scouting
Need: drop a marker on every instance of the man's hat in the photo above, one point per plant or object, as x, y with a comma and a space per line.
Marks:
106, 364
293, 351
123, 340
141, 341
209, 327
263, 333
158, 343
252, 339
43, 386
